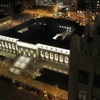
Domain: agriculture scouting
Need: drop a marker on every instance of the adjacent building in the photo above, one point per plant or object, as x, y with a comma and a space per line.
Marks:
84, 70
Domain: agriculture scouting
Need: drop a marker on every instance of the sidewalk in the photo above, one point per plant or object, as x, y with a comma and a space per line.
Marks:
61, 94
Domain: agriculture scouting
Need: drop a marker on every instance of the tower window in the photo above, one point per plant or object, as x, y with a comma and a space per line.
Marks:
83, 77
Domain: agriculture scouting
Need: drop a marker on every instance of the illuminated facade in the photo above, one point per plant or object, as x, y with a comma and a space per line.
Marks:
30, 58
40, 51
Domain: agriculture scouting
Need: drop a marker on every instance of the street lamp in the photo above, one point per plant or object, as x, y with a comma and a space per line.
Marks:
37, 72
37, 69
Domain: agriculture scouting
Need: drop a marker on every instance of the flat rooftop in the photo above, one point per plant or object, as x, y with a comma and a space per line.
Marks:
42, 30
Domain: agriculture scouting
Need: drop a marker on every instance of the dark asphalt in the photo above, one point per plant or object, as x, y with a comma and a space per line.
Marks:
11, 92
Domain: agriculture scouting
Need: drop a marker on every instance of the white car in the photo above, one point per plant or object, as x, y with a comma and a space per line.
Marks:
45, 94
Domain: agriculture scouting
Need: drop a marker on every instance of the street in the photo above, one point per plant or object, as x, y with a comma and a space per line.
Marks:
12, 92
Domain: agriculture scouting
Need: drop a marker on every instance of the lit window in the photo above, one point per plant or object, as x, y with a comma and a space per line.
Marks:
2, 43
31, 52
56, 57
13, 46
46, 54
26, 50
21, 49
66, 59
42, 54
61, 58
9, 45
51, 55
6, 45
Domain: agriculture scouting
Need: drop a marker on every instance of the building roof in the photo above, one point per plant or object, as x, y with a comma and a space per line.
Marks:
43, 30
65, 9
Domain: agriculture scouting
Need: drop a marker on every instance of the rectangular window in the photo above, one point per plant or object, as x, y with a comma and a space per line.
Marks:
82, 95
83, 76
97, 80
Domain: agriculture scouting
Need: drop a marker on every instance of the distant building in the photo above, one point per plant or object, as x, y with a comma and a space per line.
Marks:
5, 21
93, 5
6, 7
18, 2
89, 5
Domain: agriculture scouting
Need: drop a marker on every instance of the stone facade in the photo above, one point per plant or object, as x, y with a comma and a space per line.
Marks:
84, 70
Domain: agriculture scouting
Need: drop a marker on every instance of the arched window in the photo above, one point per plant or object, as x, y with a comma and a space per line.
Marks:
56, 57
51, 55
46, 54
66, 59
61, 58
42, 53
6, 44
19, 51
2, 44
26, 51
13, 46
9, 44
31, 53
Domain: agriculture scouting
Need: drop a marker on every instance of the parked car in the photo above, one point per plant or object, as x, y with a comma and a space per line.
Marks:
45, 94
